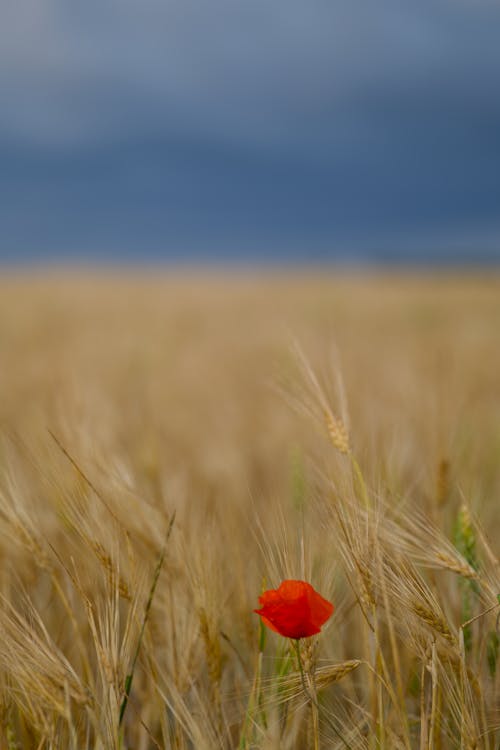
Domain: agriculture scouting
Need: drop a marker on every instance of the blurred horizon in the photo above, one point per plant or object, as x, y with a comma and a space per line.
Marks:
250, 133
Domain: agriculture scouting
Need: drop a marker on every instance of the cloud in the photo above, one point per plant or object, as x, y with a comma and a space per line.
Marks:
147, 121
256, 72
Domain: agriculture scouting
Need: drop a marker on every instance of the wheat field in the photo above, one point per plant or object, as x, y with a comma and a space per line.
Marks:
174, 443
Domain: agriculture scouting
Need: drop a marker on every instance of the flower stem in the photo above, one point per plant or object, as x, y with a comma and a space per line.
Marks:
308, 690
310, 693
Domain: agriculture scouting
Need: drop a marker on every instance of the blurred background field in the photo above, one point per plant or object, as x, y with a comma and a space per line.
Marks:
183, 368
176, 391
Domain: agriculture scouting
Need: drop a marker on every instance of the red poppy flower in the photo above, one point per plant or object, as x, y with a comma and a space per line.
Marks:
294, 610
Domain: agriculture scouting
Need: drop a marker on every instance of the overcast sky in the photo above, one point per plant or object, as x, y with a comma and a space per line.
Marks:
247, 128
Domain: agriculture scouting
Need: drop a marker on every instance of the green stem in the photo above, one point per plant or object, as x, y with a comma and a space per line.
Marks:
361, 482
311, 697
130, 676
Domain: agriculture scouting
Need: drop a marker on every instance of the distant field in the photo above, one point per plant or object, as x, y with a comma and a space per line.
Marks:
226, 398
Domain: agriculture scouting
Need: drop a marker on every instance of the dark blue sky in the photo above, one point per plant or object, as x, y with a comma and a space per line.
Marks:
249, 128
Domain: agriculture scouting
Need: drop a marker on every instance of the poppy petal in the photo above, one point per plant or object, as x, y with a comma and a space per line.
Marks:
295, 609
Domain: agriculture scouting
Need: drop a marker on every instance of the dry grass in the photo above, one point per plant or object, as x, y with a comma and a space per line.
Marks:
364, 459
